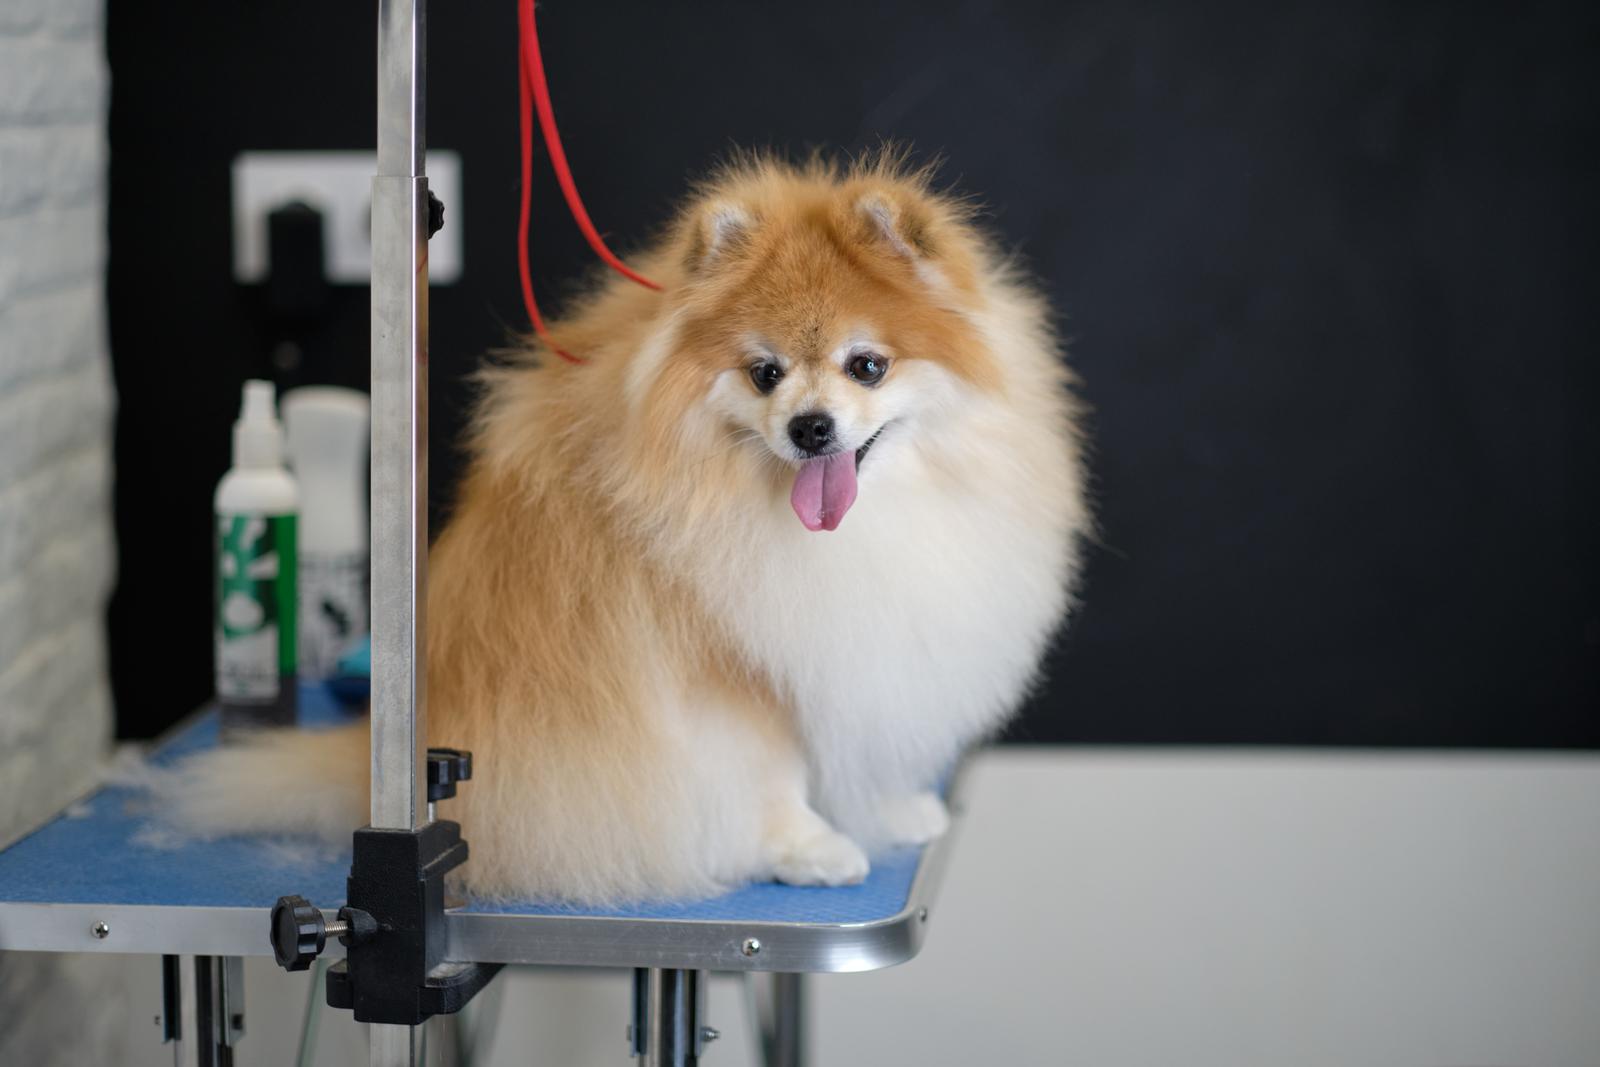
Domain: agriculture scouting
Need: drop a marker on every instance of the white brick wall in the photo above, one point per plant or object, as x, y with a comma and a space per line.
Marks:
55, 485
55, 404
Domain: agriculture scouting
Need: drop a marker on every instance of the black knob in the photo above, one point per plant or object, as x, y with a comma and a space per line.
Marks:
435, 214
298, 933
446, 767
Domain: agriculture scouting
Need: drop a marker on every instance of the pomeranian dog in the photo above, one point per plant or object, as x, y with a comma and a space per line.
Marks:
726, 600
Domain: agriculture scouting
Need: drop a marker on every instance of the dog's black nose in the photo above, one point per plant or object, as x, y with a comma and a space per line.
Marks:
812, 431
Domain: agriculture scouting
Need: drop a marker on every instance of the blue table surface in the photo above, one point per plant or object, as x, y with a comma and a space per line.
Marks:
105, 850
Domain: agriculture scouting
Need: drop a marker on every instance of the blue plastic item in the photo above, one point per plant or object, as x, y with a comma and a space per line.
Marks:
352, 678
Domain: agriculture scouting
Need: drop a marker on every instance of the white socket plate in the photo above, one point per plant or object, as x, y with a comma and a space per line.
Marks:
339, 184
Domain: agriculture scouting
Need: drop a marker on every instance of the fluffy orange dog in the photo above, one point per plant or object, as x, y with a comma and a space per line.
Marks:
723, 602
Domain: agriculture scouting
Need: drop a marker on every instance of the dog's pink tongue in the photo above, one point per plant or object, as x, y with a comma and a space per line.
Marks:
824, 490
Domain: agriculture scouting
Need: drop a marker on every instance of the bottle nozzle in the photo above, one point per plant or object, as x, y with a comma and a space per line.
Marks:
259, 401
257, 437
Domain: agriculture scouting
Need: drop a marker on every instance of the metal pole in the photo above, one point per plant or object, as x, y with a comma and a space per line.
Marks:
444, 1040
179, 1009
394, 1046
669, 1017
209, 1043
399, 426
227, 998
785, 1045
399, 449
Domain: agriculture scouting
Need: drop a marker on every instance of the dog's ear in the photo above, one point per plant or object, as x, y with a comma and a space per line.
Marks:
720, 228
900, 226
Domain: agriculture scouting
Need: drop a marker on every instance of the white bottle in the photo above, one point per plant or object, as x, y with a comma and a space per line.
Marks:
257, 506
327, 435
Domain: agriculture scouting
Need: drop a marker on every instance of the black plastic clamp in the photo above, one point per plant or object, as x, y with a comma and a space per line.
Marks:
393, 924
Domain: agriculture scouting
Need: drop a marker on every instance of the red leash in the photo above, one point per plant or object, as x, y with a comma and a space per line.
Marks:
533, 93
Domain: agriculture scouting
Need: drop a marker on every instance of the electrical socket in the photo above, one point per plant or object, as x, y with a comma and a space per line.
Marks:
339, 184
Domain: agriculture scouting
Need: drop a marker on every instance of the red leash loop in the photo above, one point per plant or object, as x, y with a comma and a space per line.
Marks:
525, 116
558, 156
533, 92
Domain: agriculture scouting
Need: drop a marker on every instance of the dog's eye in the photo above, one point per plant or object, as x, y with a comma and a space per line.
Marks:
868, 368
766, 376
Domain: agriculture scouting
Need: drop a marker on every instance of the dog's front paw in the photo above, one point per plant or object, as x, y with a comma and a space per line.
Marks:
913, 819
828, 858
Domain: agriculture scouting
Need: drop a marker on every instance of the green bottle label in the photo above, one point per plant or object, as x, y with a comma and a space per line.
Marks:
256, 602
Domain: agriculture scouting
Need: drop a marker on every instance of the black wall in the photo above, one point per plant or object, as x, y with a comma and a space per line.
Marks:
1328, 272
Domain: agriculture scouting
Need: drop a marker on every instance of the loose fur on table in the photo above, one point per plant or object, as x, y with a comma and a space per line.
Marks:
678, 663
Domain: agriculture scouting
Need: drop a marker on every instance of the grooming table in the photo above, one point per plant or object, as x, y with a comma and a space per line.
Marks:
99, 877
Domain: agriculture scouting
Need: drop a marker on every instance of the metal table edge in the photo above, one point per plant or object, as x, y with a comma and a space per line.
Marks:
550, 940
713, 944
158, 929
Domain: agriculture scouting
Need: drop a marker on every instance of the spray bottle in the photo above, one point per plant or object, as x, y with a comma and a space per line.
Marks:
257, 506
327, 437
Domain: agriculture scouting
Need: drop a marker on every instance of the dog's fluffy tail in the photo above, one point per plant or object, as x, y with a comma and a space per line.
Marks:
274, 782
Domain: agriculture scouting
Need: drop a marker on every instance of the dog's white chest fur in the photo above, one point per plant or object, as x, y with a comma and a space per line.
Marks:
913, 629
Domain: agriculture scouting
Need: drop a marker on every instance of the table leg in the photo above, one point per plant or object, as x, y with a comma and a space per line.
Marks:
783, 1045
177, 1010
443, 1041
202, 1014
393, 1045
669, 1027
